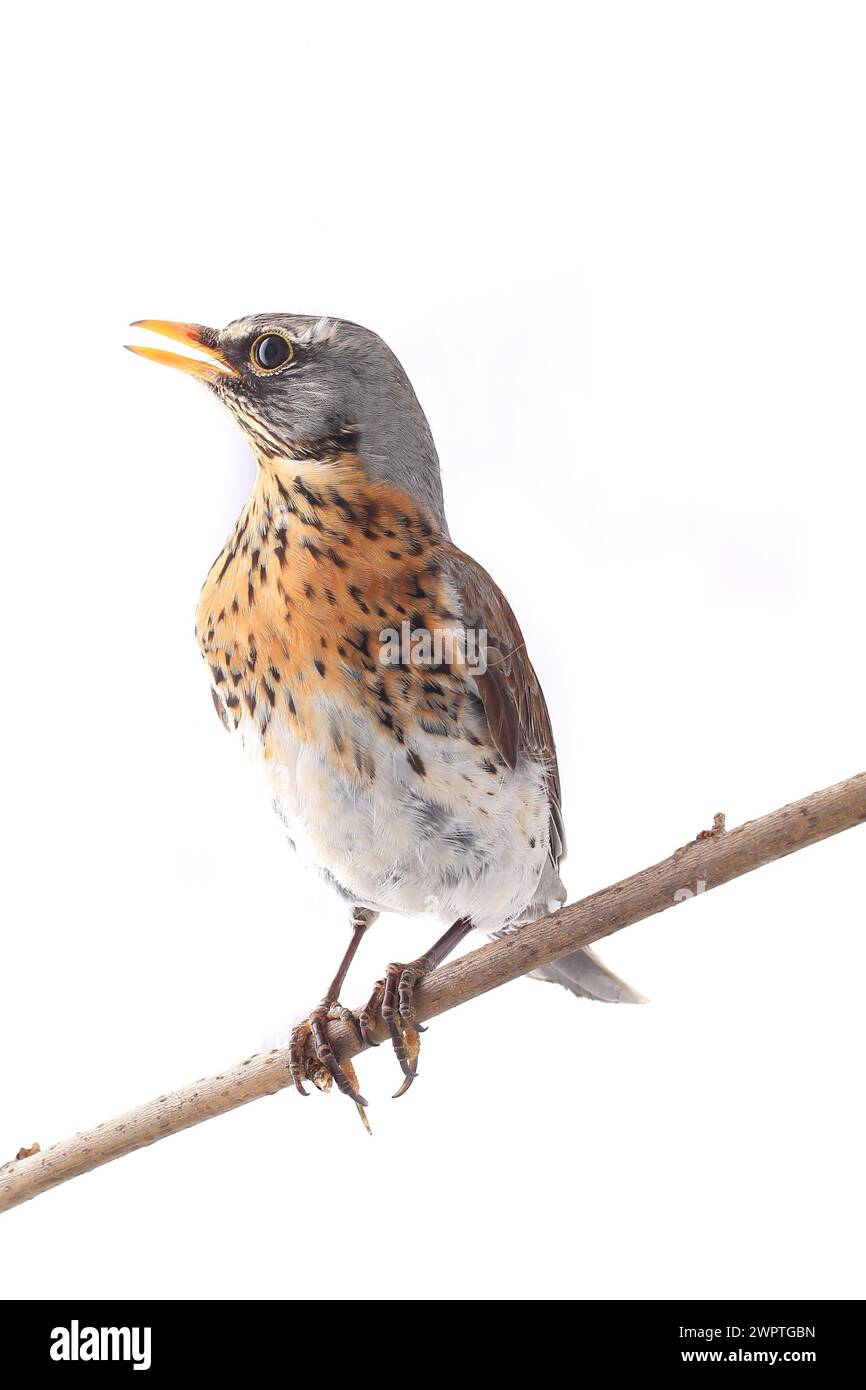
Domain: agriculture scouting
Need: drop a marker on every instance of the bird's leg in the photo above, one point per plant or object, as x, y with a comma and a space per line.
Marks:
314, 1030
395, 997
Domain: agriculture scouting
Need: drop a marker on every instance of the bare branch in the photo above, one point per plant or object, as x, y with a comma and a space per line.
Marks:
715, 857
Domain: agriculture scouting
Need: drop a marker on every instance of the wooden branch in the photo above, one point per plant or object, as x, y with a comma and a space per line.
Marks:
715, 857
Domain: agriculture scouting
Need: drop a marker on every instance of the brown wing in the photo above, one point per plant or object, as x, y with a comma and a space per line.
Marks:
513, 701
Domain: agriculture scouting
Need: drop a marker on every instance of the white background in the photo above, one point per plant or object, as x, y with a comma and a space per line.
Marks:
620, 250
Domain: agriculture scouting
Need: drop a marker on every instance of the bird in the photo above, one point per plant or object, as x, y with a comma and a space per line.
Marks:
373, 670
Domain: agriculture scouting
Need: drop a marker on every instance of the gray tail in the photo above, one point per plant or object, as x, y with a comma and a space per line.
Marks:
585, 975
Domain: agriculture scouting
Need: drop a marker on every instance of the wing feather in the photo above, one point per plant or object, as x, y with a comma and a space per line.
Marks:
509, 690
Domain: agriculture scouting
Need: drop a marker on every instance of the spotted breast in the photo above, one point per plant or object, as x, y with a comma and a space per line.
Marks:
396, 775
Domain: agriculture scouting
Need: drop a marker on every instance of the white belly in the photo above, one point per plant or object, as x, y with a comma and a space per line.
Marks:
457, 841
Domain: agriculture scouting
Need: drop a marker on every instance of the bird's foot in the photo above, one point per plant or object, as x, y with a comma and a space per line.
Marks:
311, 1057
394, 999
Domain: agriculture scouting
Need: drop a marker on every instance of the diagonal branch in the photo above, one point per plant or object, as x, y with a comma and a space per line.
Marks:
715, 857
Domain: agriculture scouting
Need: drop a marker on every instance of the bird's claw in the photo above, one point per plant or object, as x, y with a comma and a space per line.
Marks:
312, 1058
398, 1013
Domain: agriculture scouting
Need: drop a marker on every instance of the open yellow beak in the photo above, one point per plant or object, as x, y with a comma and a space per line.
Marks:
194, 335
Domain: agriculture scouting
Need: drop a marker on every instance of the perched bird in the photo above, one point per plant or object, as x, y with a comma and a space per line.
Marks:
416, 777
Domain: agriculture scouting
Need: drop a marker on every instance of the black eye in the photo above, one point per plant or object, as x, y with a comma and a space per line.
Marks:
270, 351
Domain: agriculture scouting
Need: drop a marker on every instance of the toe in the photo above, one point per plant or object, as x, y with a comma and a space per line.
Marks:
325, 1054
367, 1016
401, 1051
412, 1044
297, 1047
406, 993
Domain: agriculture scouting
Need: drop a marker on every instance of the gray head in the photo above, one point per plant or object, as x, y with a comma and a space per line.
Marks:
299, 386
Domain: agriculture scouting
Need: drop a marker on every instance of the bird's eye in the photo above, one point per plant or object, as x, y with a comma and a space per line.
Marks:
271, 351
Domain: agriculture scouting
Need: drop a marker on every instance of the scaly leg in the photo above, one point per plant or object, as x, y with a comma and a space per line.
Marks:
395, 997
315, 1027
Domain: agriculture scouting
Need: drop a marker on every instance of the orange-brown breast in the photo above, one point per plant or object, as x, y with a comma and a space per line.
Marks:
320, 563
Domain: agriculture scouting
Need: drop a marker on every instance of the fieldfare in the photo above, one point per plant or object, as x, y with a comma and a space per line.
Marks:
373, 669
